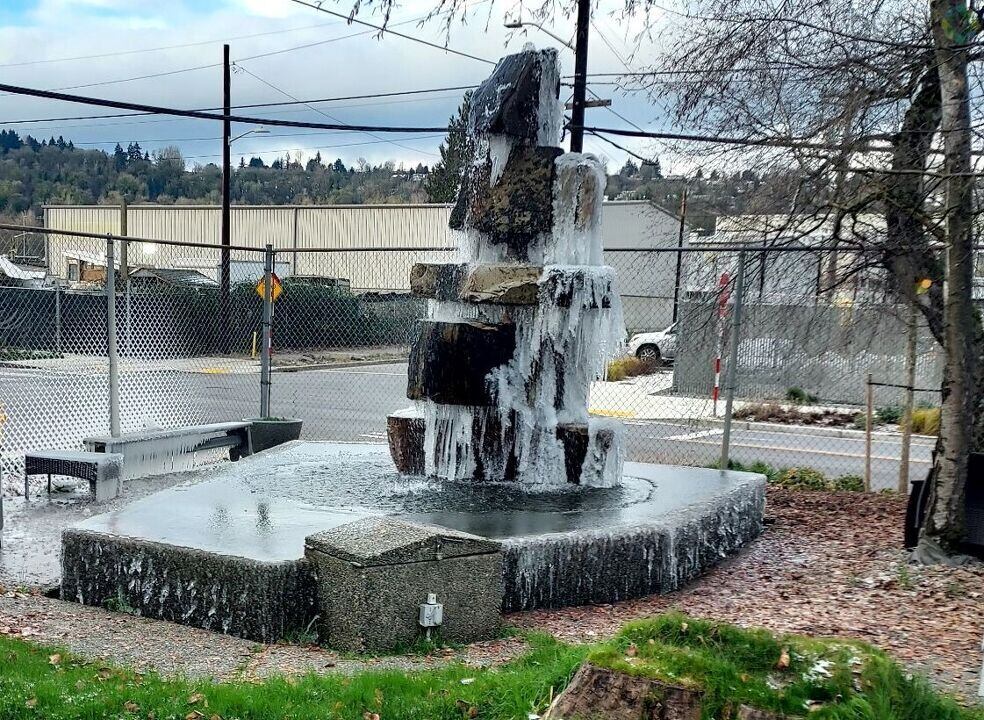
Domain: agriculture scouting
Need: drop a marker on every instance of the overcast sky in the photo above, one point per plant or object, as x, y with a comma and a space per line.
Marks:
45, 44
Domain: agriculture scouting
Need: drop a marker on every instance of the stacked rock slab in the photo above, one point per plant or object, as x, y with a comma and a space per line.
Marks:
501, 368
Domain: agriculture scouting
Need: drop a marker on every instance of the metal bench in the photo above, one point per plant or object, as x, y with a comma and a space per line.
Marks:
150, 452
102, 470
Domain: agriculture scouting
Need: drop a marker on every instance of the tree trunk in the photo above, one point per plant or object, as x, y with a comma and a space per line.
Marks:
944, 528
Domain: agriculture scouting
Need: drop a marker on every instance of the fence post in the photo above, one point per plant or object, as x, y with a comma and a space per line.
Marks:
112, 348
869, 420
58, 342
732, 376
910, 396
265, 347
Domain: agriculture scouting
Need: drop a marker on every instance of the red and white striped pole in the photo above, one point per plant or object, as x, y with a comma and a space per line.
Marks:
724, 294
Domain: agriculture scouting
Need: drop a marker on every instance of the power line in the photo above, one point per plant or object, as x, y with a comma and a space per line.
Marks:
320, 112
637, 156
161, 110
327, 147
265, 54
251, 105
199, 43
725, 140
384, 29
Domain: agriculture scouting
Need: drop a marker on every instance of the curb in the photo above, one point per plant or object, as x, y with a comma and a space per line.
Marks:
817, 431
329, 366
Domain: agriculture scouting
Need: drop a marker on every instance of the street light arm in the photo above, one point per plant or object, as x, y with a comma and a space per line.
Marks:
517, 24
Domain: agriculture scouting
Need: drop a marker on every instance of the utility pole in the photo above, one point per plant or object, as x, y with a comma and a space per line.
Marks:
679, 255
580, 75
224, 241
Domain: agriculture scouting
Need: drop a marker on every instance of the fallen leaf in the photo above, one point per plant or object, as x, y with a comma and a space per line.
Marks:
370, 715
31, 702
215, 716
194, 715
54, 659
195, 698
131, 706
632, 650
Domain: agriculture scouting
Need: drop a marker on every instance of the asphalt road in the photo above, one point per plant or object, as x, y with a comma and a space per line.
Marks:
352, 404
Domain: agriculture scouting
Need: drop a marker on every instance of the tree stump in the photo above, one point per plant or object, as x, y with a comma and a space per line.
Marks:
599, 694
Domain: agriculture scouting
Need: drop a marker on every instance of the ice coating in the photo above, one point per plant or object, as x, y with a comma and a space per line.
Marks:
562, 342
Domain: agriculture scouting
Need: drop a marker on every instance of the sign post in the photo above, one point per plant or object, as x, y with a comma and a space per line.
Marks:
269, 288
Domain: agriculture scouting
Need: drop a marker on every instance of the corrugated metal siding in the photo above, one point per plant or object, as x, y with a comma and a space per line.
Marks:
624, 225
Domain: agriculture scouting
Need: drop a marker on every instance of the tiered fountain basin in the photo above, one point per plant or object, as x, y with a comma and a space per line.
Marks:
224, 550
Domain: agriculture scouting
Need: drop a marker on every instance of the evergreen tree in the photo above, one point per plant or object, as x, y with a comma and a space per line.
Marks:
456, 154
338, 166
119, 157
9, 140
256, 162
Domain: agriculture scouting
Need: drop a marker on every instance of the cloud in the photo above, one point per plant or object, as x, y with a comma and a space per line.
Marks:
304, 53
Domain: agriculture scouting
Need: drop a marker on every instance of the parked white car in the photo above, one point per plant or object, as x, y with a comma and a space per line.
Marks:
654, 346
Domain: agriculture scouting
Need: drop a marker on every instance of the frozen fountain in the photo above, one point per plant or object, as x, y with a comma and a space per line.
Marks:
497, 443
516, 331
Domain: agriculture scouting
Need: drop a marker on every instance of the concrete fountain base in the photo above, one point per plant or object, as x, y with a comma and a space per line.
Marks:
225, 551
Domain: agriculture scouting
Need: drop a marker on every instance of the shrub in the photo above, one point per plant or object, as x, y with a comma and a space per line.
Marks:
629, 366
760, 412
889, 414
848, 483
926, 421
860, 422
799, 396
803, 478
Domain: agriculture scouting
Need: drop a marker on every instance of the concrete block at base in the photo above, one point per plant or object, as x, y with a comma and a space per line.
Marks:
373, 574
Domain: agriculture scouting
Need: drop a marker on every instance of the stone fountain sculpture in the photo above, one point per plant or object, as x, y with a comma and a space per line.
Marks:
518, 329
499, 377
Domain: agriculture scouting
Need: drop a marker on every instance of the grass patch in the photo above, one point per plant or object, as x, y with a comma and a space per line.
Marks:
796, 676
44, 683
829, 680
629, 366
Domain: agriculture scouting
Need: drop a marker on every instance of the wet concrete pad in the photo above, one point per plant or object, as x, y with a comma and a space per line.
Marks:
225, 550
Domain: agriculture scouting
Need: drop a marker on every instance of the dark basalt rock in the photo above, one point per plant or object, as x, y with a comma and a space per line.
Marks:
405, 433
508, 102
450, 361
519, 206
575, 437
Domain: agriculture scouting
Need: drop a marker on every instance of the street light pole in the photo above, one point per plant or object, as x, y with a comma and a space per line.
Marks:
580, 75
224, 240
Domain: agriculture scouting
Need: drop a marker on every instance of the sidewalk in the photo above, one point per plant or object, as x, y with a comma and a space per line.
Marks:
640, 398
93, 365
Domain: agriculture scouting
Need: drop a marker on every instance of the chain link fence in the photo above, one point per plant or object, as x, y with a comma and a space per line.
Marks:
344, 320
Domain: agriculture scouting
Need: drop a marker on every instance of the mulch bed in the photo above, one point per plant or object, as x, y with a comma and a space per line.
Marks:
828, 564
